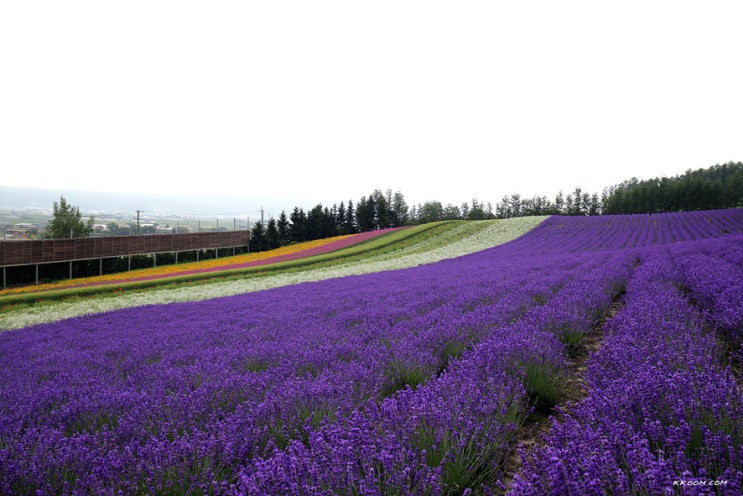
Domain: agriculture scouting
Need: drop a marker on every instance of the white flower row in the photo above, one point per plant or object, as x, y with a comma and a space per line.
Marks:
465, 239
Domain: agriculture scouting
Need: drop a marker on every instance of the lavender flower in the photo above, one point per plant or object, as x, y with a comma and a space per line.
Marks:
413, 381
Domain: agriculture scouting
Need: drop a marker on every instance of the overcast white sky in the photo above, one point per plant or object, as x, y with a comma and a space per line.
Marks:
327, 100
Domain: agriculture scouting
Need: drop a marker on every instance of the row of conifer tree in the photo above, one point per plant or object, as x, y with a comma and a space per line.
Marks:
719, 186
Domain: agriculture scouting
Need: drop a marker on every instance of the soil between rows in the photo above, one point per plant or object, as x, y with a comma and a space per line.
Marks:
531, 435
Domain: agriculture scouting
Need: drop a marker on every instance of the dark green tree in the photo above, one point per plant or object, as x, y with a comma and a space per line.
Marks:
504, 208
515, 203
577, 203
527, 207
569, 205
542, 206
258, 238
315, 223
720, 186
452, 212
340, 218
273, 238
365, 214
283, 226
298, 226
733, 195
114, 229
349, 227
67, 222
585, 203
430, 211
594, 205
382, 209
476, 212
399, 210
559, 203
328, 223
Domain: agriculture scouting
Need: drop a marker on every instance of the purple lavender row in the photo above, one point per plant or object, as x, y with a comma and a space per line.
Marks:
121, 400
712, 274
663, 415
571, 235
170, 398
453, 433
452, 427
185, 366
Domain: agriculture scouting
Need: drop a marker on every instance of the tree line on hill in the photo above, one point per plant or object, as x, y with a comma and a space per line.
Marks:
719, 186
377, 211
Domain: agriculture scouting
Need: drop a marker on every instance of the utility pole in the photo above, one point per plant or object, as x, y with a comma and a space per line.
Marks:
139, 231
262, 215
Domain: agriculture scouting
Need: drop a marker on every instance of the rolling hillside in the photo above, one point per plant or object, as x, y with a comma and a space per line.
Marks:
612, 345
310, 261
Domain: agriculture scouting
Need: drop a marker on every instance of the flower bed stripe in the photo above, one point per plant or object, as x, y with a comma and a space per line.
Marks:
467, 238
283, 254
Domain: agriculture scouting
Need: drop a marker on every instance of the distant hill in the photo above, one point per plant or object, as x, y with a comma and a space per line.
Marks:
91, 202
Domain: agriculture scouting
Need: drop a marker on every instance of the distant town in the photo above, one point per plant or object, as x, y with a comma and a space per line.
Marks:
31, 223
25, 212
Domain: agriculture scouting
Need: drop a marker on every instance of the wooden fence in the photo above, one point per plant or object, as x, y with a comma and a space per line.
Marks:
14, 253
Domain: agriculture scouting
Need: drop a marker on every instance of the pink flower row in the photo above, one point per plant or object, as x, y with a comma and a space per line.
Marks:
339, 244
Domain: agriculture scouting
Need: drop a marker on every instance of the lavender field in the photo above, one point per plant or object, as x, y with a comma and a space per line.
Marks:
414, 381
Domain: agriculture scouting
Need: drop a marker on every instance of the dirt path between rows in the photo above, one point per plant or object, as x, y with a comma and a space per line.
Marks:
531, 435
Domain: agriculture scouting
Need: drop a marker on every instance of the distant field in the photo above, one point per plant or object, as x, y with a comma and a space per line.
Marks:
414, 363
397, 249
